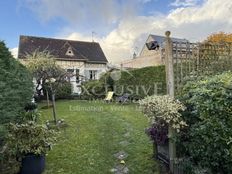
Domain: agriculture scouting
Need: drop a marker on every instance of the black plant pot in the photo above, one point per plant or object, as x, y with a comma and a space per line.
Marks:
33, 164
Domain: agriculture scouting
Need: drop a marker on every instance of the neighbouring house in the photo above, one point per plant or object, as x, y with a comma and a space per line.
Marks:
85, 60
151, 53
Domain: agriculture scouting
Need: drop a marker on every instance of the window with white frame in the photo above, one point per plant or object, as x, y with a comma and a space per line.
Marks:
92, 74
70, 72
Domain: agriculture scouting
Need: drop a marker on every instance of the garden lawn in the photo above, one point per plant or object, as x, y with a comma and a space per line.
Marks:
96, 131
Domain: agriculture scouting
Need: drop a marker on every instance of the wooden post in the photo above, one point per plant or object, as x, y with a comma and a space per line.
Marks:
170, 92
53, 103
47, 98
54, 107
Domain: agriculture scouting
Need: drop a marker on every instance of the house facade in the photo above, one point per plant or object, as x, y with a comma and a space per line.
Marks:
147, 56
85, 60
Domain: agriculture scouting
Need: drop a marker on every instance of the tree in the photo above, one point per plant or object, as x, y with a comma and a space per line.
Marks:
16, 90
220, 37
48, 75
16, 87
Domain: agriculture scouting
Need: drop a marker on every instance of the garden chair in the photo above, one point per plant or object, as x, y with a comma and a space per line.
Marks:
109, 96
124, 98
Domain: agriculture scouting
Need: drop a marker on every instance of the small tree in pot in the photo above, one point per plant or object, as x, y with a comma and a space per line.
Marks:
30, 142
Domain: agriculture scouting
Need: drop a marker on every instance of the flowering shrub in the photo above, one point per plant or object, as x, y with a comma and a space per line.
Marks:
163, 110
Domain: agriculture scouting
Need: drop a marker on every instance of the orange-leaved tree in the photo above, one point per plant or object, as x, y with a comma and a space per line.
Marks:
219, 37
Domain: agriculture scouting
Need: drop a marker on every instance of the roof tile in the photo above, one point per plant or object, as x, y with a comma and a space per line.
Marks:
87, 51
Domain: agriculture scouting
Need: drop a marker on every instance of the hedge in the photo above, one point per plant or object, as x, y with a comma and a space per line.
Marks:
94, 89
16, 87
142, 82
138, 83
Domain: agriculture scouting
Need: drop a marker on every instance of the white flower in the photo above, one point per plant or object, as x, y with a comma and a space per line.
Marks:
164, 109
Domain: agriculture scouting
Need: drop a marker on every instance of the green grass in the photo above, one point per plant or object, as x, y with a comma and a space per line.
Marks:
93, 136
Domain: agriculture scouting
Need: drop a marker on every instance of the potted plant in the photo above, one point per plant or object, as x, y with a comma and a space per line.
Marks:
163, 112
158, 133
29, 143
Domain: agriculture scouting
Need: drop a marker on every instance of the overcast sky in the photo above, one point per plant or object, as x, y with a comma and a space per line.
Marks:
120, 26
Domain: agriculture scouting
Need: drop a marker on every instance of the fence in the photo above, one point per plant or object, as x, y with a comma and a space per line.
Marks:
192, 60
186, 61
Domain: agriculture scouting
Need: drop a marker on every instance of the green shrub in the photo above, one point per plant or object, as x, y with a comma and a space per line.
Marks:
28, 138
16, 90
3, 132
32, 115
8, 162
94, 89
107, 80
30, 106
138, 83
141, 82
64, 91
208, 139
22, 139
163, 110
16, 87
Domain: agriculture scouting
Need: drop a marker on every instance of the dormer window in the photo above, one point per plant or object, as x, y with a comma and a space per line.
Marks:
69, 52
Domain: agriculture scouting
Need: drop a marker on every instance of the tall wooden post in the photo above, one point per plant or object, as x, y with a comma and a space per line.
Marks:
170, 92
54, 107
48, 103
53, 104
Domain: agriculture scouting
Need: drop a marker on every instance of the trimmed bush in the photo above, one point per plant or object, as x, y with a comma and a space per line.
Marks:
138, 83
94, 89
16, 87
142, 82
16, 90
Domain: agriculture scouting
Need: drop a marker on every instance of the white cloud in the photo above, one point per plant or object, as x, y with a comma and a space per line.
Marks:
188, 19
213, 10
184, 3
14, 52
120, 43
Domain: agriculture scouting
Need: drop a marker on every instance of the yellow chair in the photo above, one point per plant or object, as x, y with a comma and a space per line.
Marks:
109, 96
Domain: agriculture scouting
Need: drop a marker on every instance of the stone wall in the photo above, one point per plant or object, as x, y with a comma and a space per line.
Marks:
144, 61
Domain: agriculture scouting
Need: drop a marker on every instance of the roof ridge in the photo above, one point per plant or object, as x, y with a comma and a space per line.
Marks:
165, 37
50, 38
